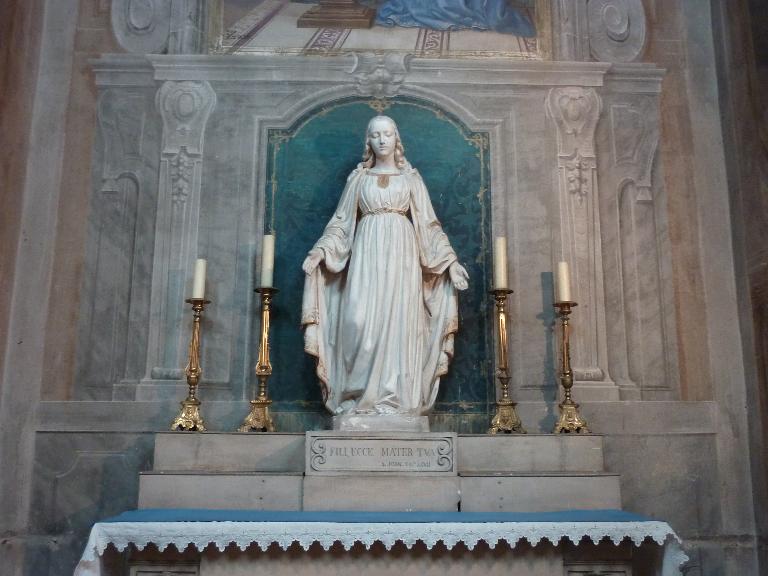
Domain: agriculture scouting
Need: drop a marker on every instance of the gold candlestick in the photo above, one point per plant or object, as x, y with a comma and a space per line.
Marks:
189, 419
570, 420
506, 419
259, 419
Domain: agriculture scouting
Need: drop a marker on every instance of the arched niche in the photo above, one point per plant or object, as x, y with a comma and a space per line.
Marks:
307, 166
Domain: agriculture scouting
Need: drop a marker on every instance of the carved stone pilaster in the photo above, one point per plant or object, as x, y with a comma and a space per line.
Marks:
571, 30
121, 119
643, 357
160, 26
380, 75
185, 108
104, 320
603, 30
616, 29
187, 34
575, 111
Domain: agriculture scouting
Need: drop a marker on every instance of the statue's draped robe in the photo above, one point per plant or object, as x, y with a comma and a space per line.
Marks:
380, 312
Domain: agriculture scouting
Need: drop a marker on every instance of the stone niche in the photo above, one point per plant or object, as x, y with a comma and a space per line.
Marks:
190, 161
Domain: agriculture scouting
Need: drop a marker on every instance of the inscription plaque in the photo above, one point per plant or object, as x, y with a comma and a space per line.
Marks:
336, 453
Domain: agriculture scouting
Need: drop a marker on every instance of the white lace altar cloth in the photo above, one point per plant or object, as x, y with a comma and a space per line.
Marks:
263, 534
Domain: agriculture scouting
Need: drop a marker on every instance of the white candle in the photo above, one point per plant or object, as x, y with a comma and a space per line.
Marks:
563, 282
267, 260
198, 285
500, 263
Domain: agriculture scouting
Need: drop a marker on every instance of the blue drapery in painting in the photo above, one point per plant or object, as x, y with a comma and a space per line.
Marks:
496, 15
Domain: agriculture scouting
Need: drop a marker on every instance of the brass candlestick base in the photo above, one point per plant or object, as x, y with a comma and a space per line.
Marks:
570, 420
505, 419
189, 418
259, 419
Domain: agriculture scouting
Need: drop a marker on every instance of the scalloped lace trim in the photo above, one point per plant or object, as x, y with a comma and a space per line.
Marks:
263, 534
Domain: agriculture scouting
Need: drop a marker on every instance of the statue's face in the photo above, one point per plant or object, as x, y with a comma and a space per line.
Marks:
382, 138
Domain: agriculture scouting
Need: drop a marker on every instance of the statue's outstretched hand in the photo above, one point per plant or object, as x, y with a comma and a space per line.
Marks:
459, 276
312, 260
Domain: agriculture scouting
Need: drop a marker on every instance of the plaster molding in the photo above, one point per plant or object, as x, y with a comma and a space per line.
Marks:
509, 100
141, 26
158, 26
184, 107
617, 29
380, 75
635, 138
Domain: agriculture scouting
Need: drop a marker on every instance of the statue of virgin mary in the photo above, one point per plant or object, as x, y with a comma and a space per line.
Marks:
380, 298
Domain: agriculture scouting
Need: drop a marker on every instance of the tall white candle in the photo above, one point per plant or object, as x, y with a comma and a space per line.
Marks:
198, 284
563, 282
267, 260
500, 263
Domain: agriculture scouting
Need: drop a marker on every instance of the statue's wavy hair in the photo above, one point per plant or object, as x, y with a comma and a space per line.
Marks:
369, 158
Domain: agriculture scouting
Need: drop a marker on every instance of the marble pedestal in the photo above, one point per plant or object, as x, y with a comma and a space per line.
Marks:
380, 423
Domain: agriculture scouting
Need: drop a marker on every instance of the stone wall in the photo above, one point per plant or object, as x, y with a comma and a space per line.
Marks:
742, 61
637, 190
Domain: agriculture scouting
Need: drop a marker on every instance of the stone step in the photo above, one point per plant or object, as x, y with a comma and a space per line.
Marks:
285, 452
469, 493
382, 493
229, 452
539, 492
482, 453
224, 491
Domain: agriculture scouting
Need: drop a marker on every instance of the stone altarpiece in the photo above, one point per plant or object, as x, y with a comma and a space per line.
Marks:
181, 168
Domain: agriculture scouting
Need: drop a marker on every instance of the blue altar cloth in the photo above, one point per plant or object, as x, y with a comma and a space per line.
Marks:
207, 515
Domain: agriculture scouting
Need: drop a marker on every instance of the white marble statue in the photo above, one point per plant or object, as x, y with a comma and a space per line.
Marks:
380, 298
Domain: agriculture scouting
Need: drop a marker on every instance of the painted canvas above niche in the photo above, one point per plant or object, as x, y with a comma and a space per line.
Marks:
519, 29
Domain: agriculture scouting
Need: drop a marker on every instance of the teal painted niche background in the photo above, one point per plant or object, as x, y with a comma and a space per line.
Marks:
308, 165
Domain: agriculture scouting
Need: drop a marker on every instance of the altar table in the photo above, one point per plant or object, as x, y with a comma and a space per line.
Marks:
245, 528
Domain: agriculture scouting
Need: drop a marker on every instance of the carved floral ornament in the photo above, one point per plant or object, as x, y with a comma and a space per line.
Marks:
182, 171
185, 108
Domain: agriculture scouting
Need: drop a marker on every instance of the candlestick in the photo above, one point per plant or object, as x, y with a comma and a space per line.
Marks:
500, 277
267, 260
570, 420
259, 419
563, 282
506, 419
198, 284
189, 418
